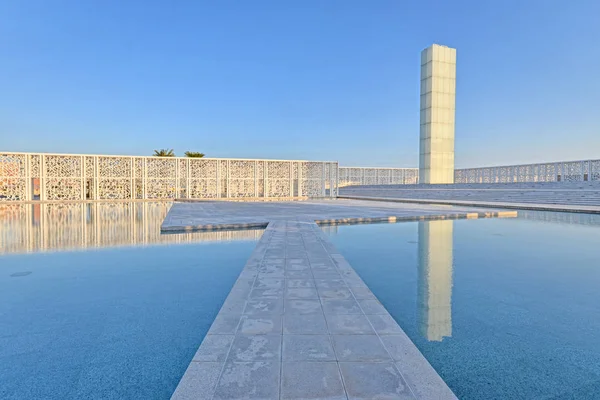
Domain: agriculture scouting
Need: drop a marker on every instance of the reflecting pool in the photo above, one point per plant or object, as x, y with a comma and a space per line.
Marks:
121, 317
502, 308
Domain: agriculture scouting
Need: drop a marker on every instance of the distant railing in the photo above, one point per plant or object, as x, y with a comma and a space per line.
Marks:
59, 177
570, 171
377, 176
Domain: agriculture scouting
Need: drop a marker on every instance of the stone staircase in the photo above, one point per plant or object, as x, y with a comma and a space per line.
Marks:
556, 193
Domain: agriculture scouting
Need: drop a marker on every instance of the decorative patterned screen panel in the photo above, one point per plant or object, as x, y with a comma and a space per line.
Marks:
572, 171
58, 177
377, 176
115, 177
13, 177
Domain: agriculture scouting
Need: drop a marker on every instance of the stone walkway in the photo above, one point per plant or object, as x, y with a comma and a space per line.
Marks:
213, 215
299, 322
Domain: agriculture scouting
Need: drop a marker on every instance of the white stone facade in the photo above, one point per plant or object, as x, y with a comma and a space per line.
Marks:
438, 93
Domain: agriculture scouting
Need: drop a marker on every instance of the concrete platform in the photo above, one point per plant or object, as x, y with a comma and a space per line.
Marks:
215, 215
299, 322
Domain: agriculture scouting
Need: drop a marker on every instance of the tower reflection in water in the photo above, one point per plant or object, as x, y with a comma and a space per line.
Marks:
435, 279
28, 228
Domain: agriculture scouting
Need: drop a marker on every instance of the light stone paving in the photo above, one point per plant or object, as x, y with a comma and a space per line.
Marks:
215, 215
299, 323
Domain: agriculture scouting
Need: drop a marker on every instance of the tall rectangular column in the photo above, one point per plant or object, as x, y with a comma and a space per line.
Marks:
438, 93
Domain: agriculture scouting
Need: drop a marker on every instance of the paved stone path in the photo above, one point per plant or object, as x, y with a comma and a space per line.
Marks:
212, 215
299, 322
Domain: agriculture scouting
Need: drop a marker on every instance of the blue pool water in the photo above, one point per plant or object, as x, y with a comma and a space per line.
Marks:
501, 308
119, 322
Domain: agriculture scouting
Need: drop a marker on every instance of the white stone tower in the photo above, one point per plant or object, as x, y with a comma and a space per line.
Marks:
438, 93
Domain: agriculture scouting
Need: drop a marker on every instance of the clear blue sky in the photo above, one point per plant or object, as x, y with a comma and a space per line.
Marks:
300, 79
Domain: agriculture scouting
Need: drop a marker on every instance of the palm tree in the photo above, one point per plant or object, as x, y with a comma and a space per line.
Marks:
194, 154
164, 153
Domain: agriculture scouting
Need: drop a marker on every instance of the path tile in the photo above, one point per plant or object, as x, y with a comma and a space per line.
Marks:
302, 306
249, 380
256, 294
349, 324
274, 274
374, 381
309, 380
324, 267
214, 348
307, 348
304, 324
325, 274
344, 306
224, 324
400, 346
259, 325
372, 307
301, 293
256, 348
354, 282
300, 283
337, 293
330, 283
359, 348
362, 293
297, 263
264, 307
268, 283
384, 324
234, 304
298, 274
424, 381
198, 382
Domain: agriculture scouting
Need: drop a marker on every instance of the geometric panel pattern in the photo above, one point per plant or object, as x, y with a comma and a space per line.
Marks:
63, 177
377, 176
571, 171
115, 178
202, 182
13, 173
57, 177
312, 179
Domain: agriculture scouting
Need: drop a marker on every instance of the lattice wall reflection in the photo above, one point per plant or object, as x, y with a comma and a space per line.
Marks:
60, 177
69, 226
